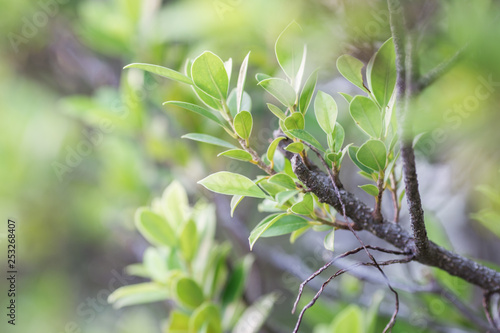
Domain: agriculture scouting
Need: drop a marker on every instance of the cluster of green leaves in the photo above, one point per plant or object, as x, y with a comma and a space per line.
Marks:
187, 266
293, 210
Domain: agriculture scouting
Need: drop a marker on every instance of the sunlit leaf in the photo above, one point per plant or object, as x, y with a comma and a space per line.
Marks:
208, 139
367, 116
232, 184
209, 75
162, 71
373, 154
325, 109
281, 90
350, 68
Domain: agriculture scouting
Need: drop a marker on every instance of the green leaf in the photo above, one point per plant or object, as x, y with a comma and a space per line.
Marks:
189, 240
265, 224
175, 204
162, 71
370, 189
295, 147
246, 102
285, 225
236, 283
307, 92
207, 317
352, 151
381, 73
255, 315
289, 50
373, 154
208, 139
272, 147
232, 184
261, 77
307, 137
209, 74
237, 154
178, 322
304, 207
243, 123
325, 110
350, 68
297, 82
336, 139
139, 293
283, 180
188, 293
281, 90
277, 111
329, 241
155, 264
297, 233
347, 97
295, 121
240, 87
196, 109
284, 196
207, 99
235, 201
349, 320
154, 228
367, 116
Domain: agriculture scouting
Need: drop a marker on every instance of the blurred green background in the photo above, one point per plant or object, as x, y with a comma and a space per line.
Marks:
84, 143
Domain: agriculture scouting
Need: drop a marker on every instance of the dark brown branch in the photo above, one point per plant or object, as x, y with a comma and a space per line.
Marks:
362, 216
405, 87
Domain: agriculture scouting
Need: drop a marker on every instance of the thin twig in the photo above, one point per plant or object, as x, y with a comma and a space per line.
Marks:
334, 184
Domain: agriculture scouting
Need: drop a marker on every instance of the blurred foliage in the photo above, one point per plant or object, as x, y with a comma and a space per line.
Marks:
85, 143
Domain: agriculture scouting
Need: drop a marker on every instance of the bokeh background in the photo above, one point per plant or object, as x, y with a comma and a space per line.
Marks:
84, 143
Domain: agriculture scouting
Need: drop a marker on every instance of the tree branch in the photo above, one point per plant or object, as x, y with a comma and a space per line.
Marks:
405, 88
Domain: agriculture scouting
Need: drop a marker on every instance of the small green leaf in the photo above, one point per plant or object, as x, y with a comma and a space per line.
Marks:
197, 109
235, 201
347, 97
304, 207
261, 77
336, 139
307, 137
307, 92
370, 189
243, 123
206, 319
352, 151
154, 228
280, 89
329, 241
277, 111
178, 322
255, 315
175, 204
325, 110
349, 320
297, 233
208, 139
162, 71
188, 293
289, 50
373, 154
381, 73
295, 121
237, 154
232, 184
236, 283
209, 74
240, 87
284, 196
367, 116
285, 225
283, 180
272, 147
189, 240
263, 226
295, 147
350, 68
207, 99
139, 293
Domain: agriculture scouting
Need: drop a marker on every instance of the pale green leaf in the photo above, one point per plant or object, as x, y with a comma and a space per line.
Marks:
266, 223
208, 139
283, 180
209, 75
304, 207
272, 147
243, 123
289, 50
325, 110
295, 121
237, 154
240, 87
285, 225
307, 137
188, 293
196, 109
235, 201
350, 68
154, 228
370, 189
232, 184
329, 241
373, 154
295, 147
276, 111
307, 92
367, 116
281, 90
139, 293
162, 71
381, 73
